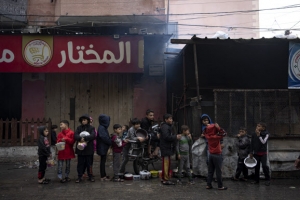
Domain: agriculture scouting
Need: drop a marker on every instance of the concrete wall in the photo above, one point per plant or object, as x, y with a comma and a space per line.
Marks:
109, 7
281, 157
206, 25
41, 13
20, 154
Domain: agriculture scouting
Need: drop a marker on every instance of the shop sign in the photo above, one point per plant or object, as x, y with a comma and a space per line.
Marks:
57, 54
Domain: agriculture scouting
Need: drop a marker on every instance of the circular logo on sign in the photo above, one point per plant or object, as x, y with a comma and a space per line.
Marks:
37, 53
295, 65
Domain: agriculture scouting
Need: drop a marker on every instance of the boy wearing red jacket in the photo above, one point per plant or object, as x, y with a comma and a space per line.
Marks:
66, 135
117, 148
213, 133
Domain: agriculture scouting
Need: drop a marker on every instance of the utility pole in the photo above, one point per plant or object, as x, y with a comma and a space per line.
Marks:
168, 12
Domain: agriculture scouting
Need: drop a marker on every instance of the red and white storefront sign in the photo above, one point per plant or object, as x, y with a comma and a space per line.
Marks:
63, 54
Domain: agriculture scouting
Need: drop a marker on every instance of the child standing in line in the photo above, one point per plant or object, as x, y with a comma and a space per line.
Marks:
243, 144
95, 149
84, 156
183, 149
44, 153
258, 149
103, 144
213, 133
53, 134
136, 124
117, 147
124, 131
66, 135
168, 141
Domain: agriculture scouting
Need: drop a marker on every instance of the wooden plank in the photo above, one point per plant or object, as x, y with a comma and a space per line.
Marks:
32, 132
26, 133
121, 99
105, 94
92, 95
14, 132
130, 95
115, 101
81, 106
70, 93
99, 97
63, 98
53, 98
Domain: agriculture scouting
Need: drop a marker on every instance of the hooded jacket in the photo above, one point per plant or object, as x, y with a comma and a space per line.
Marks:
43, 143
167, 140
203, 126
209, 119
243, 144
213, 136
89, 149
103, 139
68, 152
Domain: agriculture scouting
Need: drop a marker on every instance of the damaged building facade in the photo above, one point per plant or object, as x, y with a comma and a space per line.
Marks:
239, 83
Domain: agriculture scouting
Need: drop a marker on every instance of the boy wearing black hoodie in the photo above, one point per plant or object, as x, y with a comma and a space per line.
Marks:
44, 153
85, 156
258, 150
103, 144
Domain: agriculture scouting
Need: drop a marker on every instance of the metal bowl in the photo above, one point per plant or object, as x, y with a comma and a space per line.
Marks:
141, 133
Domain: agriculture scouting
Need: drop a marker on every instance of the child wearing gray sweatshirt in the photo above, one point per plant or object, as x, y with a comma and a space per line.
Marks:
183, 149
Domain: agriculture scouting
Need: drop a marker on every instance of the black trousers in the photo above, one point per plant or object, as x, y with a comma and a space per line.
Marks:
84, 163
102, 166
42, 166
241, 167
215, 164
263, 160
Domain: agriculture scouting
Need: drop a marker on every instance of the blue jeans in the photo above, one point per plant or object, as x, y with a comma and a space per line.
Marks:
60, 168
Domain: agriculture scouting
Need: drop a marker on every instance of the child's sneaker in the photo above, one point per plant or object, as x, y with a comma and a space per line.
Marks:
192, 183
179, 182
85, 175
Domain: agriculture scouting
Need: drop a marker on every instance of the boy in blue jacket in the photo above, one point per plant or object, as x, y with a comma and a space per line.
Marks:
103, 143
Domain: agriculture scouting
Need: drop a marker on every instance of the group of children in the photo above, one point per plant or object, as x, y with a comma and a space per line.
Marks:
98, 141
256, 147
168, 142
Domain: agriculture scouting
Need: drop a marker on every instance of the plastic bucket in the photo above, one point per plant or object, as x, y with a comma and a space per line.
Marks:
60, 146
81, 145
160, 173
154, 173
250, 162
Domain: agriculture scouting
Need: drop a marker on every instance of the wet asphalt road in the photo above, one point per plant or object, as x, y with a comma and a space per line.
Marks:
21, 183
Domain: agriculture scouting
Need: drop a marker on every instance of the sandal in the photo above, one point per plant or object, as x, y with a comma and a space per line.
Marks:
67, 179
234, 179
223, 188
209, 187
62, 180
44, 182
118, 180
78, 180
